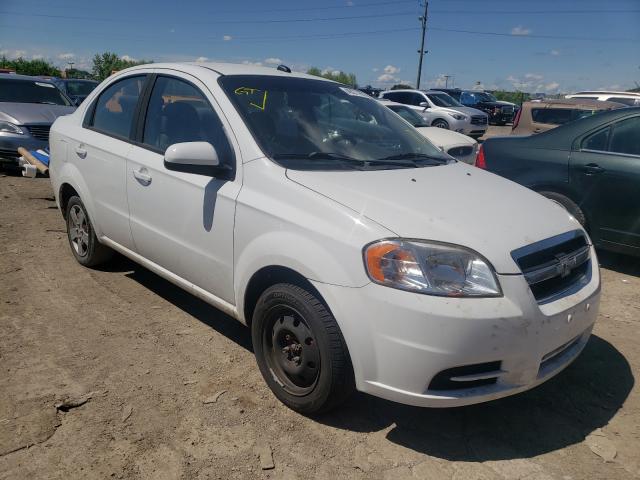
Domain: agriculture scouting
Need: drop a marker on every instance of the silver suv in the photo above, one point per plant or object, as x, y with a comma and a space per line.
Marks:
441, 110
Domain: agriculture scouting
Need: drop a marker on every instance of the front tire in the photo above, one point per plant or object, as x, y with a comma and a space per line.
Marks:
440, 123
82, 238
300, 350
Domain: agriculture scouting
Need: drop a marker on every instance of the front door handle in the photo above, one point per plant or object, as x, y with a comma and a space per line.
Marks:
592, 169
81, 152
142, 176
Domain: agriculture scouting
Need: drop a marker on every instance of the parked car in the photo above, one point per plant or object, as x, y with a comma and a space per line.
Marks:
591, 167
346, 244
499, 111
459, 146
441, 111
76, 89
539, 116
28, 107
630, 99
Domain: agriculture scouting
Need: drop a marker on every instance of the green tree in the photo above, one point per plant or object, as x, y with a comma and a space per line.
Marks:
107, 62
513, 97
401, 86
29, 67
338, 76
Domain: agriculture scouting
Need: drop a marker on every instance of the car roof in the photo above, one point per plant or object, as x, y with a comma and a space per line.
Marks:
226, 69
387, 103
606, 92
571, 130
578, 102
17, 76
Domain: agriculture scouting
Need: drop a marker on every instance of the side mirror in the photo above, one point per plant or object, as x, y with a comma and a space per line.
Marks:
425, 105
191, 157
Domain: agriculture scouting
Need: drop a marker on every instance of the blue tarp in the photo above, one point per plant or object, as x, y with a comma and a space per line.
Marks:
42, 155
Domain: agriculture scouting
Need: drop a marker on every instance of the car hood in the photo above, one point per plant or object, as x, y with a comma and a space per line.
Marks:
441, 137
27, 113
454, 203
468, 110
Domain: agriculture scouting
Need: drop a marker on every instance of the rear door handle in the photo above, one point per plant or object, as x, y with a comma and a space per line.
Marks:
142, 176
592, 169
81, 152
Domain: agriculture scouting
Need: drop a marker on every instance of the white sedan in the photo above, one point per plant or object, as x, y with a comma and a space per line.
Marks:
459, 146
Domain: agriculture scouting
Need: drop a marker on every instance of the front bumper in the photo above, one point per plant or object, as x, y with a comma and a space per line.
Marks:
500, 117
399, 341
9, 144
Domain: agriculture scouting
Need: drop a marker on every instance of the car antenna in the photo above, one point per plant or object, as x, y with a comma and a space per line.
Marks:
284, 68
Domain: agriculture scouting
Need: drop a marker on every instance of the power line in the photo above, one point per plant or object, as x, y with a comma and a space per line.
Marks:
213, 22
530, 35
532, 12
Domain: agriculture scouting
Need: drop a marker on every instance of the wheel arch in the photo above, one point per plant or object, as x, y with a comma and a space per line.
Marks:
268, 276
65, 193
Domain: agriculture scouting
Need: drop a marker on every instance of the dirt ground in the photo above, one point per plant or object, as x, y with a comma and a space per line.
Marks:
149, 356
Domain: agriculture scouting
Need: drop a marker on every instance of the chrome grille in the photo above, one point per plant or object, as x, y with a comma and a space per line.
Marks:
554, 266
479, 120
41, 132
507, 109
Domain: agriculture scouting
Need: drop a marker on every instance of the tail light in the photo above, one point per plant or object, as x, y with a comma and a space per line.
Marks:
517, 119
480, 161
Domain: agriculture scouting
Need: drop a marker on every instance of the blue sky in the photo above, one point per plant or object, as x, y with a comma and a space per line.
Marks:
537, 46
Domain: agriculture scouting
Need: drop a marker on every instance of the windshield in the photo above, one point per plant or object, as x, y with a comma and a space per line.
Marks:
75, 87
28, 91
485, 97
410, 115
443, 100
314, 124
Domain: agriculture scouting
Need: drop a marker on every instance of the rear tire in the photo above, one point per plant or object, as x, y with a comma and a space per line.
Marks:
300, 350
440, 123
82, 238
568, 204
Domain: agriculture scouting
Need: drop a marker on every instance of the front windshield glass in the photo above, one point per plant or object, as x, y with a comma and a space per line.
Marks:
314, 124
75, 87
28, 91
410, 115
485, 97
443, 100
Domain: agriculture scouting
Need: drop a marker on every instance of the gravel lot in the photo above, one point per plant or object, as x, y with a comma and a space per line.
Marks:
149, 356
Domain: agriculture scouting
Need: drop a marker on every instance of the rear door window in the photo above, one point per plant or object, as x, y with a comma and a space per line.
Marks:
625, 137
597, 141
116, 105
558, 116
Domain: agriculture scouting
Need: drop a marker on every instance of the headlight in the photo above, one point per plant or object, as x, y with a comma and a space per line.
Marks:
7, 127
431, 268
458, 116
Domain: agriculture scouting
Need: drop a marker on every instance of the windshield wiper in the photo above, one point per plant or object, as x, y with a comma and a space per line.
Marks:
416, 157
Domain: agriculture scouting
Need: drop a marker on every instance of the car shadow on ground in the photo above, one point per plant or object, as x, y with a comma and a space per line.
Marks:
210, 316
559, 413
619, 263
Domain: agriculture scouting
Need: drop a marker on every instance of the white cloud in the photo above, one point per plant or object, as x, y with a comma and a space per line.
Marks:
226, 38
551, 87
66, 56
350, 3
478, 86
554, 52
438, 82
391, 69
520, 30
172, 30
37, 56
201, 59
247, 62
375, 69
387, 78
272, 61
127, 58
533, 76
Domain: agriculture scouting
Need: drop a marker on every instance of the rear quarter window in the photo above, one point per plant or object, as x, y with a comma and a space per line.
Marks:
558, 116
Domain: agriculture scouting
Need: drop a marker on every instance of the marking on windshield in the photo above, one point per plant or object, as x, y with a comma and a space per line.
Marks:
252, 91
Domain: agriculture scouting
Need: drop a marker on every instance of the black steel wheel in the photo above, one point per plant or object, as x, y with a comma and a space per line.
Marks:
300, 350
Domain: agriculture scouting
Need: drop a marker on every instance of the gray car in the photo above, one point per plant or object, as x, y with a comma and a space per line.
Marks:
28, 107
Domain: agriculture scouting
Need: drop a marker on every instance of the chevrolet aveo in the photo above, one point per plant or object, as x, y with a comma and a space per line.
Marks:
340, 236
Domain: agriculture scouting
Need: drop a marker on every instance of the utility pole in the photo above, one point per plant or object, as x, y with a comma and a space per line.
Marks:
446, 81
421, 52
